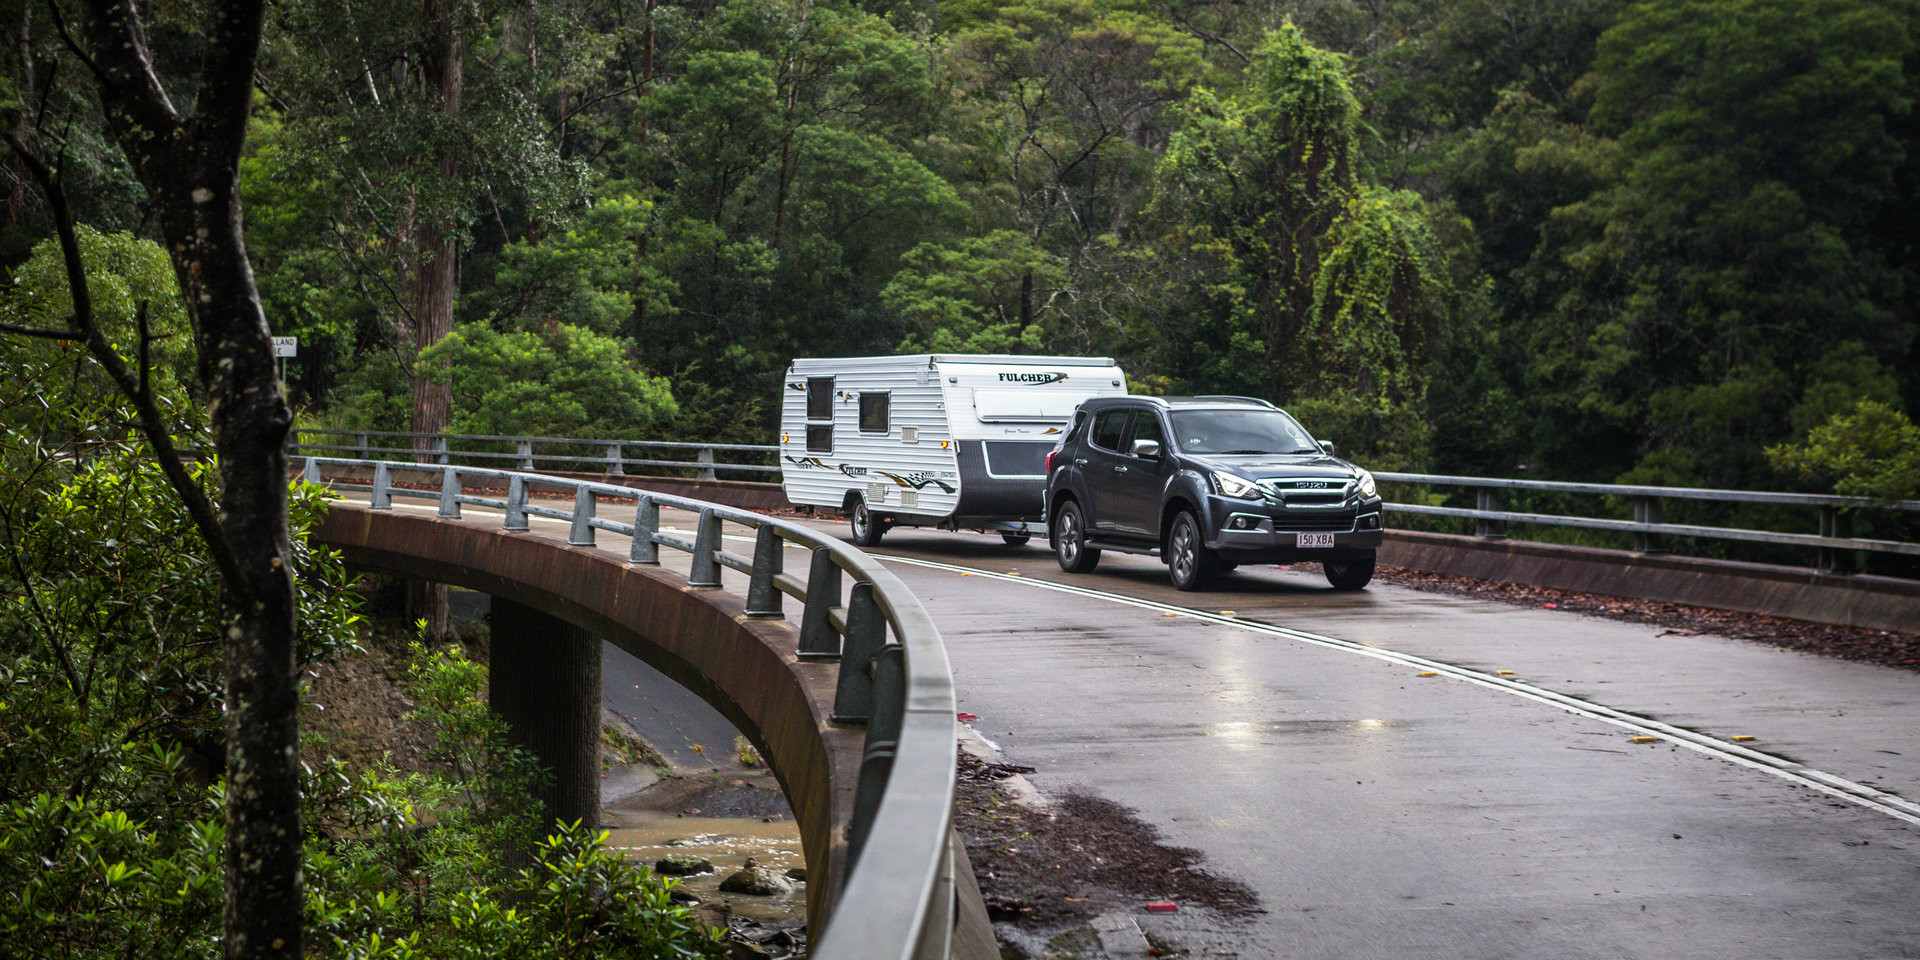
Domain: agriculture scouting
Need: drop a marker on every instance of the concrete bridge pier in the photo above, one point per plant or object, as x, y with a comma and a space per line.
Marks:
545, 681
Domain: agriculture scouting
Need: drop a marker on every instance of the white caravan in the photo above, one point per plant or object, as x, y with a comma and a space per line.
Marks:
953, 441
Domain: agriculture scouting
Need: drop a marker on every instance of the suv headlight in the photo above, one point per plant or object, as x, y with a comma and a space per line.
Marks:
1232, 486
1367, 488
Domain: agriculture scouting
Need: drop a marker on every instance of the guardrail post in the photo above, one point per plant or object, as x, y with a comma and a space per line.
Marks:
883, 741
866, 634
450, 494
705, 459
1488, 499
516, 503
524, 448
1837, 524
581, 535
818, 641
382, 498
763, 594
646, 523
616, 467
311, 471
360, 447
1648, 510
706, 570
440, 451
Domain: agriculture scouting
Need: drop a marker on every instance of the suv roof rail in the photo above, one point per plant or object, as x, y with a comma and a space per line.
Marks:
1235, 399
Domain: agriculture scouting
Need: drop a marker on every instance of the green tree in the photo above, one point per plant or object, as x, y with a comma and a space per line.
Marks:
977, 295
137, 302
1870, 451
1250, 187
1293, 277
567, 381
1735, 242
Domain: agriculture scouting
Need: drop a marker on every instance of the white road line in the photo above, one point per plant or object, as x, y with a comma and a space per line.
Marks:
1839, 787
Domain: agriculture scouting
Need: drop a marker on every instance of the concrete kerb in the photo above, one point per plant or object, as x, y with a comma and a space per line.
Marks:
1877, 603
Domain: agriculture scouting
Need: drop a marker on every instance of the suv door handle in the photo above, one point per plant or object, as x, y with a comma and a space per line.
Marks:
1079, 461
1120, 468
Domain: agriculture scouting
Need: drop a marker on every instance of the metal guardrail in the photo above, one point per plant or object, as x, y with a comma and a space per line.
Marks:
1648, 528
900, 867
613, 461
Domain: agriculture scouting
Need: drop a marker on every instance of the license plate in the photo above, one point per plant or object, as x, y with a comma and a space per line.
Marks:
1312, 540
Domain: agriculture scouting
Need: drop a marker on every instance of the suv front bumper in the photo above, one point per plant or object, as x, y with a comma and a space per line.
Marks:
1254, 532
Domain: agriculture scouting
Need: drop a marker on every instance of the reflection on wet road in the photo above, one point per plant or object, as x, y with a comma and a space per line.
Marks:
1405, 774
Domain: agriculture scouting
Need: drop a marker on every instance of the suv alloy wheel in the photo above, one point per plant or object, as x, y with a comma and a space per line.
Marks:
1189, 562
1068, 531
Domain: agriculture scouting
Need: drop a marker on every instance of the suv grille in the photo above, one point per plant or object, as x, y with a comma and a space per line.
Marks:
1341, 521
1307, 492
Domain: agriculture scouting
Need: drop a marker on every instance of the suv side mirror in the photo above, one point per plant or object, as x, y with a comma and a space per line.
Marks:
1147, 449
1327, 445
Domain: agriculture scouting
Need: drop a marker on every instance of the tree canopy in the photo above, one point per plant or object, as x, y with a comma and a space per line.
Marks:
1590, 238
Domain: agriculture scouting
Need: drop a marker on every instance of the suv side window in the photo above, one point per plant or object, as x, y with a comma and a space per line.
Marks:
1109, 429
1146, 426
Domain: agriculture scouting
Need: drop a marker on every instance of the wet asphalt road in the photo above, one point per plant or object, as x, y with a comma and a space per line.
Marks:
1382, 814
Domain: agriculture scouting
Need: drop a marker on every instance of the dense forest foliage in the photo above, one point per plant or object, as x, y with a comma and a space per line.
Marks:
1587, 239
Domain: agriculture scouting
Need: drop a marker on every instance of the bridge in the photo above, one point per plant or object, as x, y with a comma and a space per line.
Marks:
852, 704
796, 689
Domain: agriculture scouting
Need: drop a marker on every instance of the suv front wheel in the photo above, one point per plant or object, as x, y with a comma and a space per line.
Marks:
1189, 562
1068, 531
1349, 574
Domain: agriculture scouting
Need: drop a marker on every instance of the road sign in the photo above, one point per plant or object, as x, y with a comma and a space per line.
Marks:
286, 346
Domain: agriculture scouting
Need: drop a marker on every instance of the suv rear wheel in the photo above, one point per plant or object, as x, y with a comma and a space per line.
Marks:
1349, 574
866, 527
1068, 531
1189, 562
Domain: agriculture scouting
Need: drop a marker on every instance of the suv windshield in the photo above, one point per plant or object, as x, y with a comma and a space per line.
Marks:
1240, 432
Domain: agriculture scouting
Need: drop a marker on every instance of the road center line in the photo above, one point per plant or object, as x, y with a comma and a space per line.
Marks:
1839, 787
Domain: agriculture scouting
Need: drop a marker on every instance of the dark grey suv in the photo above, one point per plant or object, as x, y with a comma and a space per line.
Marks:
1206, 484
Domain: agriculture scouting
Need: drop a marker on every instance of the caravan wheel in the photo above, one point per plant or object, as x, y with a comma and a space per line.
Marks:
866, 527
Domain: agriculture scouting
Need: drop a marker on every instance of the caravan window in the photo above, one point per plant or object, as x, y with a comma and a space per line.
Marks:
873, 412
819, 438
819, 398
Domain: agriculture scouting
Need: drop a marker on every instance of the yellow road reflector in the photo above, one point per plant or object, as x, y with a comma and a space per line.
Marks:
1171, 613
1743, 738
1503, 673
1429, 673
966, 574
1643, 739
1226, 613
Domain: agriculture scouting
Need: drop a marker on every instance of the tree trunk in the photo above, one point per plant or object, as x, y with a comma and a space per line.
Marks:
436, 252
190, 168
